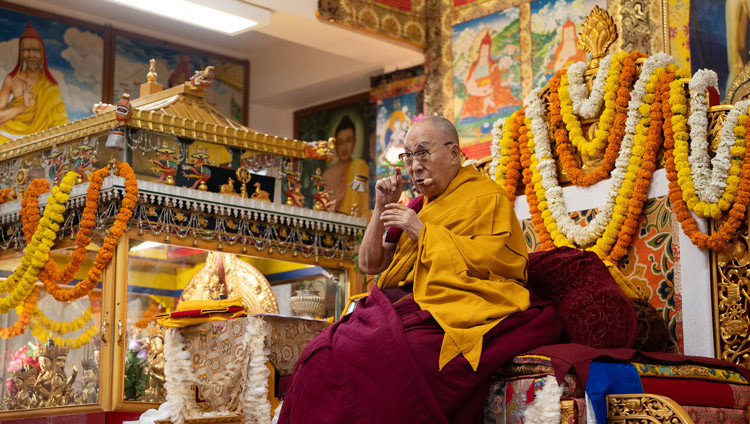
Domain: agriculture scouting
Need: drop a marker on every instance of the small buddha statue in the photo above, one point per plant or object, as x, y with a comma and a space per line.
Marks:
23, 398
90, 391
155, 391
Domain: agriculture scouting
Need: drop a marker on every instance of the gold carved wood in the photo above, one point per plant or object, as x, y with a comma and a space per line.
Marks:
730, 279
644, 408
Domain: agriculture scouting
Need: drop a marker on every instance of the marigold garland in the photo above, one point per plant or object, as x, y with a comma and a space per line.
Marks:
60, 327
718, 239
51, 275
647, 167
72, 343
24, 316
616, 132
509, 166
20, 284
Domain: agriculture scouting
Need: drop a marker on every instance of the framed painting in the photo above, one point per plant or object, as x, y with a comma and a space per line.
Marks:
486, 73
52, 69
397, 100
348, 120
555, 25
176, 64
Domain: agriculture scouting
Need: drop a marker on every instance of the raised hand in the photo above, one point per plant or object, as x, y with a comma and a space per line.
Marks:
388, 190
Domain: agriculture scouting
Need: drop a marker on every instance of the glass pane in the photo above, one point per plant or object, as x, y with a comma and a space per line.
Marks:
160, 276
55, 360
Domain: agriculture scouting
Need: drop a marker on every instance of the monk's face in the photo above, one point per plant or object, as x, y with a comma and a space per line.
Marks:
423, 136
31, 53
345, 144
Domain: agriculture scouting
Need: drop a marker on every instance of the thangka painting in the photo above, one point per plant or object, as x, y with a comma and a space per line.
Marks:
719, 38
397, 100
174, 66
555, 25
652, 259
346, 177
52, 72
486, 74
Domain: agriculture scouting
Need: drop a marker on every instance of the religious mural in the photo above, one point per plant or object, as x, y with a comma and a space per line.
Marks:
554, 35
52, 73
486, 74
718, 38
174, 66
345, 179
397, 99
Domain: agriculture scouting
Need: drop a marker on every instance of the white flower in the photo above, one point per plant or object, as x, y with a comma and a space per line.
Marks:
587, 105
585, 236
710, 175
497, 134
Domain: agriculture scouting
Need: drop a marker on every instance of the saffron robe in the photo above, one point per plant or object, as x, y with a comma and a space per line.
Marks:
467, 265
48, 111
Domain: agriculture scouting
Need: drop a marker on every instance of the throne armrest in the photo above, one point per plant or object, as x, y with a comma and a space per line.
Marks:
645, 408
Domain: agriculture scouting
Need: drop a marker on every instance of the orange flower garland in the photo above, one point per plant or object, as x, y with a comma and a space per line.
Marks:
719, 239
536, 216
645, 172
616, 133
51, 276
24, 316
513, 170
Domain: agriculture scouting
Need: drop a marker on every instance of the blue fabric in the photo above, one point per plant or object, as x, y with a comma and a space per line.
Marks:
608, 378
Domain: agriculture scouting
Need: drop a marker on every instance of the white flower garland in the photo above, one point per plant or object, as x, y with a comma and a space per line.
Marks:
178, 370
585, 236
255, 405
710, 188
587, 105
497, 135
180, 399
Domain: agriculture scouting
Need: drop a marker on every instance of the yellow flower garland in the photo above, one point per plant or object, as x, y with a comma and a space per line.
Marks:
74, 343
21, 282
594, 147
679, 105
62, 327
505, 145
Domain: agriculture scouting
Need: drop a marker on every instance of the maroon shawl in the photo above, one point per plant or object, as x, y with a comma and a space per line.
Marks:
380, 364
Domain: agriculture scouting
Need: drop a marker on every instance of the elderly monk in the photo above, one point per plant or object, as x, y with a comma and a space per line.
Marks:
449, 308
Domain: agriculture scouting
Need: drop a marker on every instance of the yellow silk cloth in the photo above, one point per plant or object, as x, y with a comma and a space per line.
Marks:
48, 111
362, 199
468, 264
205, 311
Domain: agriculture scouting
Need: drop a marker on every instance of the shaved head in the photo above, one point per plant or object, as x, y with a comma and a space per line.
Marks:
444, 127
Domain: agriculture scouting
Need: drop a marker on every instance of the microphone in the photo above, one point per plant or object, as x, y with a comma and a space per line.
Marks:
431, 180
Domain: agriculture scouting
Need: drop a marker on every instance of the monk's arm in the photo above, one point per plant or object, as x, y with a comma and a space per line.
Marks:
375, 254
9, 113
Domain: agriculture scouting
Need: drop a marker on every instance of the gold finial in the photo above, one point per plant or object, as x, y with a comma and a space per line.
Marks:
598, 32
151, 76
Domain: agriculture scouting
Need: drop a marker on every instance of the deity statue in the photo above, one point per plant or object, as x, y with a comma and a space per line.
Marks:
23, 382
53, 387
90, 391
155, 391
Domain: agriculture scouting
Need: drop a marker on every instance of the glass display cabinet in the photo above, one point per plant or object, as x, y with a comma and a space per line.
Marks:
218, 214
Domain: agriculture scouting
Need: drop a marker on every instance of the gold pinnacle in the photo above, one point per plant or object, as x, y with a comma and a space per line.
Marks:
151, 76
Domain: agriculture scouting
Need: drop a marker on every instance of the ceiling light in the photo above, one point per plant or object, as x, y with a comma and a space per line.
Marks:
228, 16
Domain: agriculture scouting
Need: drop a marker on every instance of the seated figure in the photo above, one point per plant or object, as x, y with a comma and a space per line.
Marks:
449, 309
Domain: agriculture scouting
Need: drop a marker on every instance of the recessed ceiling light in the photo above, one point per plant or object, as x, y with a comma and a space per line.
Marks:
227, 16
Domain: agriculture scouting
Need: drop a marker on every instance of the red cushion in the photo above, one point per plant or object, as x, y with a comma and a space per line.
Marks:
592, 307
697, 392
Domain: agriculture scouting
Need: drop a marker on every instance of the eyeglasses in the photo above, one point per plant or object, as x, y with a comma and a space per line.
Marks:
420, 155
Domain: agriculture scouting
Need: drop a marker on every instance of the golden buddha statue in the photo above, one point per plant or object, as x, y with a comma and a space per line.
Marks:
53, 387
90, 391
155, 391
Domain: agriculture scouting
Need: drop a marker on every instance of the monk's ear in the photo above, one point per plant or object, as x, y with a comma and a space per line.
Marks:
457, 153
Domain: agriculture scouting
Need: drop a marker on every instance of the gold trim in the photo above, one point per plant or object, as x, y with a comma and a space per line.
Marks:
50, 412
568, 411
740, 87
645, 408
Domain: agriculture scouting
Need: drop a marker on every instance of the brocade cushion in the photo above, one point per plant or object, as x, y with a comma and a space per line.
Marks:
592, 307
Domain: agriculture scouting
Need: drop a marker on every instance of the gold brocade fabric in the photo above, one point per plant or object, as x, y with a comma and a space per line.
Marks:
468, 264
210, 310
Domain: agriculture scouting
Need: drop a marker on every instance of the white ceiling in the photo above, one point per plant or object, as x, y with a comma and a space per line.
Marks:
295, 62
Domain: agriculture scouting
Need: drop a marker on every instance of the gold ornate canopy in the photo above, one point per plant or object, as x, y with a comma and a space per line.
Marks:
225, 274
